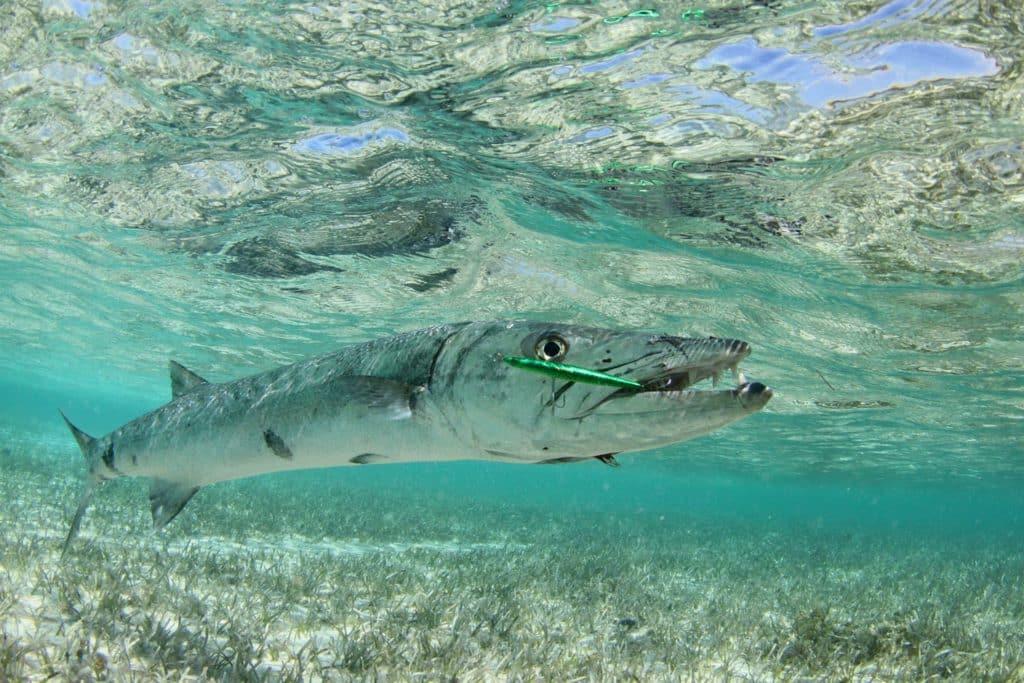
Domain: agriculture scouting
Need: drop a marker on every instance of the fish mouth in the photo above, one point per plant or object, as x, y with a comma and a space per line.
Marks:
671, 378
676, 379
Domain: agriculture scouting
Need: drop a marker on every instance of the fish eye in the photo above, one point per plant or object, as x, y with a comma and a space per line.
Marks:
552, 347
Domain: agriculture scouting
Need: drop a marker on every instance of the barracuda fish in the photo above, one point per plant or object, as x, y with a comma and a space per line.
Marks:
442, 393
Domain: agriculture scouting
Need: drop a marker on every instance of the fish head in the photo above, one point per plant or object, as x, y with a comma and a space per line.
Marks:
523, 414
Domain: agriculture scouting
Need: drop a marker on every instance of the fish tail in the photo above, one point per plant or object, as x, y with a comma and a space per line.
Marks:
92, 452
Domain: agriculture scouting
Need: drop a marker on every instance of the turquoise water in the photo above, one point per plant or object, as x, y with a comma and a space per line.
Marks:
239, 185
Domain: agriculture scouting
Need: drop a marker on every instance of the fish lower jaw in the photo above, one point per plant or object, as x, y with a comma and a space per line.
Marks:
743, 390
751, 395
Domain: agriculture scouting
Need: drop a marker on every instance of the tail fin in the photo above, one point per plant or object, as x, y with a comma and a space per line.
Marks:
88, 445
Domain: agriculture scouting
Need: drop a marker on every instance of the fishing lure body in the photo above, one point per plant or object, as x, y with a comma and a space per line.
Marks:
571, 373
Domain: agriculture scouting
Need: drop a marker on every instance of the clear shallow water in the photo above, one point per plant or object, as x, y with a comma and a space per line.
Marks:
238, 185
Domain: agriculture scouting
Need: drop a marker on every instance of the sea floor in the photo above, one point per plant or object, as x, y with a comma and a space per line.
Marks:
254, 582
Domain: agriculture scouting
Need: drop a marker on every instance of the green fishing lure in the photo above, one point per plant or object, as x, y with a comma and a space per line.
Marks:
571, 373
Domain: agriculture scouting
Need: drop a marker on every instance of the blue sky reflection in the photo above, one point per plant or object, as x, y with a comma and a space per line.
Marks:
895, 12
343, 144
870, 72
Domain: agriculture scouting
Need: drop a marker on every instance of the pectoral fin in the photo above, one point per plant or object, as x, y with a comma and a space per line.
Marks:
381, 397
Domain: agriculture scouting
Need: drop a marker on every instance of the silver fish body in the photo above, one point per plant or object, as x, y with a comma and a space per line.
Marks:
442, 393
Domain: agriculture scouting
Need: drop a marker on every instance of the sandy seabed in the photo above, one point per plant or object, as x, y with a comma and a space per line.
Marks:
254, 582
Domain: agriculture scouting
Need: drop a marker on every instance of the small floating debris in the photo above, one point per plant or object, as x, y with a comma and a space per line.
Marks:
854, 405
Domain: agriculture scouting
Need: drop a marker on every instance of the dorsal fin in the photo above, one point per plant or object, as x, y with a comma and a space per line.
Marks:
183, 380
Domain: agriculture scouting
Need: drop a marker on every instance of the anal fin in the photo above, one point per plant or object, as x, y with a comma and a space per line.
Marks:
167, 498
606, 458
563, 460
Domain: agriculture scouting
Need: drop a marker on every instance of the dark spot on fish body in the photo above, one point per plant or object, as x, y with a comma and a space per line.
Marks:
108, 458
276, 444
